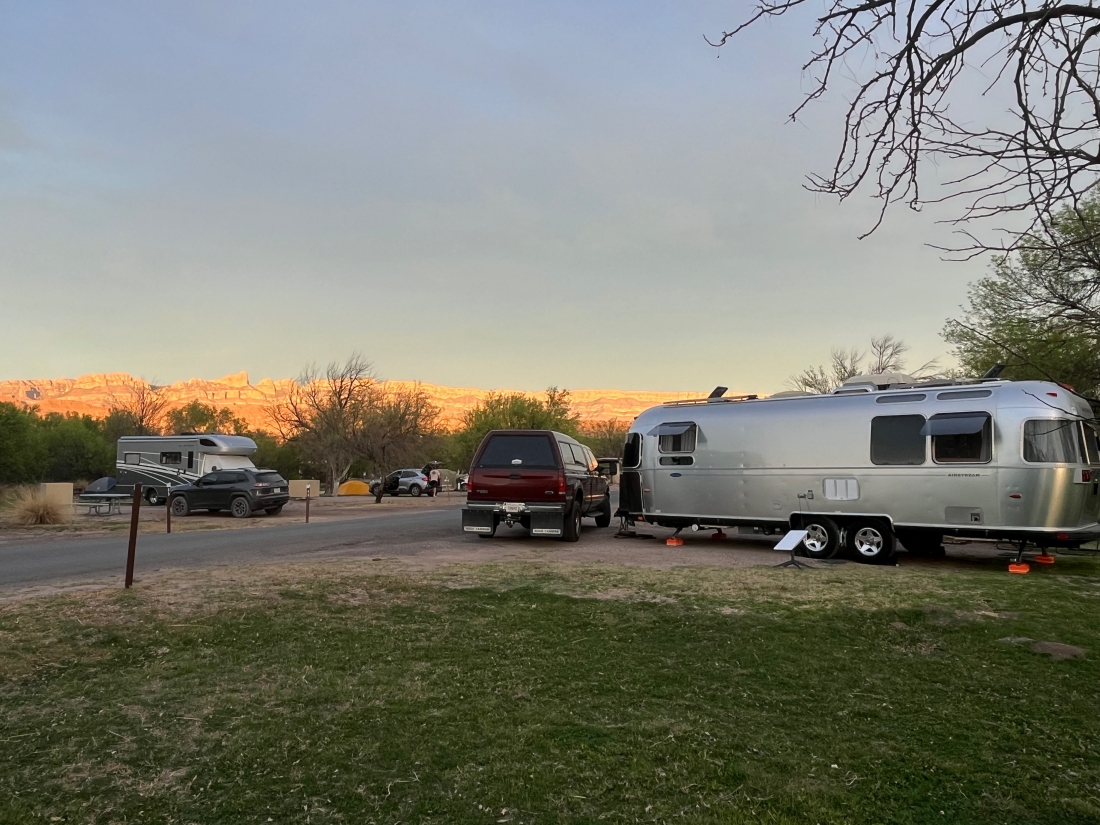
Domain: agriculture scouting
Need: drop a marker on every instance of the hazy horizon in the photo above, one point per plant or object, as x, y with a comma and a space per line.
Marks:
470, 194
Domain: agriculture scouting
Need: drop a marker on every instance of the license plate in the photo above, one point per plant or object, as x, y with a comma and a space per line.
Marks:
513, 507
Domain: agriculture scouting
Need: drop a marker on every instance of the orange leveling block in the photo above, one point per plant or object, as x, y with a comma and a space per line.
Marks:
719, 536
1018, 567
1043, 558
675, 541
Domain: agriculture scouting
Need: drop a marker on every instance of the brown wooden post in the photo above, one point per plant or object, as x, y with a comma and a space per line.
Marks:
134, 510
168, 507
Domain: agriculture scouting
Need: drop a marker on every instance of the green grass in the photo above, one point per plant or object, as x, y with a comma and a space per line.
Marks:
507, 693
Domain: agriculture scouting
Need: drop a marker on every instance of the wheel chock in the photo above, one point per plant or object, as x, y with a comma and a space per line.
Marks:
674, 541
1021, 568
719, 536
1043, 558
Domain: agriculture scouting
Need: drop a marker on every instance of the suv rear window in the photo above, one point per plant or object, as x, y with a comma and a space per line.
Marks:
533, 452
270, 478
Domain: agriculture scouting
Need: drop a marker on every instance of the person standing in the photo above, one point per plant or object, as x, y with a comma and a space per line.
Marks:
433, 481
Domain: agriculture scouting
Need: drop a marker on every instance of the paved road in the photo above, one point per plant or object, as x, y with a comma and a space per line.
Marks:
95, 558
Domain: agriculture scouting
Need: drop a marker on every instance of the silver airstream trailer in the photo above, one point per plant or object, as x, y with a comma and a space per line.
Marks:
872, 463
157, 461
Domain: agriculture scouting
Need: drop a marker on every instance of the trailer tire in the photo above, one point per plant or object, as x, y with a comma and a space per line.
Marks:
603, 515
152, 497
822, 536
871, 541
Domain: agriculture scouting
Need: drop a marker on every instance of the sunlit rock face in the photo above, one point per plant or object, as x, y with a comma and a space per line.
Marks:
95, 394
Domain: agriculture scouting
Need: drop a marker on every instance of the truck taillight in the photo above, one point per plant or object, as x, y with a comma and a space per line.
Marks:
561, 485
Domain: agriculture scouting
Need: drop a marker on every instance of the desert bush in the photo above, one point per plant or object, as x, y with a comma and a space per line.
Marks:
32, 507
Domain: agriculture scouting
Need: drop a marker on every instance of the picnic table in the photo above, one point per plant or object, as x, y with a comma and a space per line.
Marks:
102, 504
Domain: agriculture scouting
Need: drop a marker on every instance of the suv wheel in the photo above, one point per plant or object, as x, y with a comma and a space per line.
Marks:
240, 508
571, 529
180, 507
414, 490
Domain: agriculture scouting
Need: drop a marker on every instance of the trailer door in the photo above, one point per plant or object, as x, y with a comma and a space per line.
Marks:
672, 488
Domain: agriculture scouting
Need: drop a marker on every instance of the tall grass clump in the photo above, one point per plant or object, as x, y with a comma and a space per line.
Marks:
32, 507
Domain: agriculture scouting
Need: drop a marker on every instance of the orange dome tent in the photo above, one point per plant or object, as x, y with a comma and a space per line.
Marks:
355, 487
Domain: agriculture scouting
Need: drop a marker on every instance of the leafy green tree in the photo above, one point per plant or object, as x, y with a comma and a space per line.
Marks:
198, 417
605, 438
1039, 312
22, 452
75, 448
512, 411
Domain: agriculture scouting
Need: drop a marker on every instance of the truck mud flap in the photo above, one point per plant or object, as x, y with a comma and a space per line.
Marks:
547, 524
478, 521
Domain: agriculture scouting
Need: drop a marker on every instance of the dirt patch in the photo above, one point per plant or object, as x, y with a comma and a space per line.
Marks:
1057, 650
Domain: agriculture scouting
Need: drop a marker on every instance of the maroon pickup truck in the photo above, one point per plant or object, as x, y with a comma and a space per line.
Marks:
540, 479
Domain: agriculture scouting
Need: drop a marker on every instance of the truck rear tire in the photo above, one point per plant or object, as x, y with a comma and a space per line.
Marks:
603, 515
571, 526
871, 541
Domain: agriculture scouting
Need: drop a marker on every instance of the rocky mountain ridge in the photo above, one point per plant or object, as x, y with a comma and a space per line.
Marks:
95, 394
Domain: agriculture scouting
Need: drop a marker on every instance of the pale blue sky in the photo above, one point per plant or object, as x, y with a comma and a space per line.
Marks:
470, 193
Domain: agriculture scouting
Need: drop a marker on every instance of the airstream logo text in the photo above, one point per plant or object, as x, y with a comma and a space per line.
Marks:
964, 475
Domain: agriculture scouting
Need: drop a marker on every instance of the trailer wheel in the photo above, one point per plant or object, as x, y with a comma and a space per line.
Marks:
152, 497
822, 536
871, 541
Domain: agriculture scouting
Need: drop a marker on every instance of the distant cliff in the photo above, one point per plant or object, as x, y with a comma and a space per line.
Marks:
93, 395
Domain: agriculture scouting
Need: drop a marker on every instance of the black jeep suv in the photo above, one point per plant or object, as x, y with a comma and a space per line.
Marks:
240, 491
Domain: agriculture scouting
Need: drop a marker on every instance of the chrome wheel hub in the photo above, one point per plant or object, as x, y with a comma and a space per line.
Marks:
817, 539
868, 542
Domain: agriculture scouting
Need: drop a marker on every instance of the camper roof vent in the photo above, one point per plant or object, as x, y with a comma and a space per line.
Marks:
791, 394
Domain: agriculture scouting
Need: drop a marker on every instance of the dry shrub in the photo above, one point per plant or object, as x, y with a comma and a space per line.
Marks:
80, 485
32, 507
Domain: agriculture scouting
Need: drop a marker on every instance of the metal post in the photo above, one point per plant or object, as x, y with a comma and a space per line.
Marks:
168, 507
307, 502
134, 510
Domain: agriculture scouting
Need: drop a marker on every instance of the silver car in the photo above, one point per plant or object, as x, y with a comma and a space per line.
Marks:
409, 481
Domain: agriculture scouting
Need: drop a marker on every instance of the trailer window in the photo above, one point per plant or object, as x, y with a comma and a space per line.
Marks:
1089, 448
131, 458
171, 458
961, 438
897, 439
677, 460
632, 450
676, 438
1050, 441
